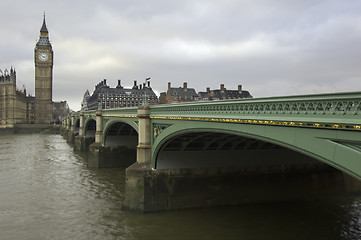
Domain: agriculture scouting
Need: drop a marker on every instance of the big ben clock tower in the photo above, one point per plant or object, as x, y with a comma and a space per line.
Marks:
43, 58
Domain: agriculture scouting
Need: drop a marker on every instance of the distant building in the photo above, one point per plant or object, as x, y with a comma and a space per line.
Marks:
60, 111
105, 97
178, 95
222, 94
185, 94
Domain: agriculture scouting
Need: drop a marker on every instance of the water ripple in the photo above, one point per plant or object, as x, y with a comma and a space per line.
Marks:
47, 192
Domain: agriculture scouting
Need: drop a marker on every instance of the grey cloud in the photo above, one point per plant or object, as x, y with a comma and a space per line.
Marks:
271, 47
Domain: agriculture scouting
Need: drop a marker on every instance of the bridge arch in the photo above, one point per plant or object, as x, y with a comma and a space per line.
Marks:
89, 128
120, 133
329, 147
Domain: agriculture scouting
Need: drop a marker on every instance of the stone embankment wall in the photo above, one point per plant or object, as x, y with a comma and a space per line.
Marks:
31, 128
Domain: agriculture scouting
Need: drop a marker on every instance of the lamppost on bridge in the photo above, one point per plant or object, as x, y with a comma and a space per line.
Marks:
145, 96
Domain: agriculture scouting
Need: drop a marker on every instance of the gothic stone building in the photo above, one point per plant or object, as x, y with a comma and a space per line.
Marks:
15, 106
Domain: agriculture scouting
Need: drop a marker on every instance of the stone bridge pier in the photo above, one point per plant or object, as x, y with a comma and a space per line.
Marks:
101, 155
140, 176
71, 134
80, 142
66, 128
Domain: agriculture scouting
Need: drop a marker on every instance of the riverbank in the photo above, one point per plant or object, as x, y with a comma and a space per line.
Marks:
31, 128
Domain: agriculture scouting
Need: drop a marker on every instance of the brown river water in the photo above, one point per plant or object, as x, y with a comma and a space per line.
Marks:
48, 192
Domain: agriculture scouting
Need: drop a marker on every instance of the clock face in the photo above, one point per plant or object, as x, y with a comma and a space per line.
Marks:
43, 56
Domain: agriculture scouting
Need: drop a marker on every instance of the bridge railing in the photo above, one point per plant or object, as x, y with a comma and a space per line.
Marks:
336, 110
115, 112
121, 112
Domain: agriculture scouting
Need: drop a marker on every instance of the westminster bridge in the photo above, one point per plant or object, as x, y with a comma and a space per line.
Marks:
227, 152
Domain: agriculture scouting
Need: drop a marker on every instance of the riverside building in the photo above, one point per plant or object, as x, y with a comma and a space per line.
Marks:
105, 97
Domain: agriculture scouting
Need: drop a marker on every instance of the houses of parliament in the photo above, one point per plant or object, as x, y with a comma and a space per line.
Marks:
18, 108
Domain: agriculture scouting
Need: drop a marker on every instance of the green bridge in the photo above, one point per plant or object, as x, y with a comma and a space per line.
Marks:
246, 150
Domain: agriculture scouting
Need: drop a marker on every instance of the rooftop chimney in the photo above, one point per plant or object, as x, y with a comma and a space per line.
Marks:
135, 85
208, 90
119, 84
240, 88
105, 82
169, 85
185, 86
222, 87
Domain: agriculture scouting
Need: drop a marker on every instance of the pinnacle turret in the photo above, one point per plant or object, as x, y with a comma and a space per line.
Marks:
44, 28
44, 35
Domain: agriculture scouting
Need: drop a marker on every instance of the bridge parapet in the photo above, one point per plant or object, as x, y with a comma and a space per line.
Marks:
337, 110
118, 112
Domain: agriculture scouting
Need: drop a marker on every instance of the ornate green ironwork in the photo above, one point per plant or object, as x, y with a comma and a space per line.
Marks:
158, 128
331, 110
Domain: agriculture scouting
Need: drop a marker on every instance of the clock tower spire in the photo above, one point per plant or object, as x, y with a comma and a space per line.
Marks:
43, 59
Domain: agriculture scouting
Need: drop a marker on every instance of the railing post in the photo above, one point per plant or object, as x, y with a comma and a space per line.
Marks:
81, 124
99, 126
144, 148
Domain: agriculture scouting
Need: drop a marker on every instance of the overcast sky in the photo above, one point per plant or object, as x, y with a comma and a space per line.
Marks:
271, 47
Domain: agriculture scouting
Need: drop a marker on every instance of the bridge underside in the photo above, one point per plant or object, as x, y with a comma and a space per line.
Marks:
121, 134
210, 150
90, 128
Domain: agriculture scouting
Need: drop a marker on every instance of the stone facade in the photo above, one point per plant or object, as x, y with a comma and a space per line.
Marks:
15, 106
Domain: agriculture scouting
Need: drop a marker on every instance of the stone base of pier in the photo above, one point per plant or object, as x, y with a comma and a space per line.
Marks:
110, 157
70, 137
150, 190
82, 143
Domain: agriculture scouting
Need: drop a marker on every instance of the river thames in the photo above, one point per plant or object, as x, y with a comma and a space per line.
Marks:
48, 192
